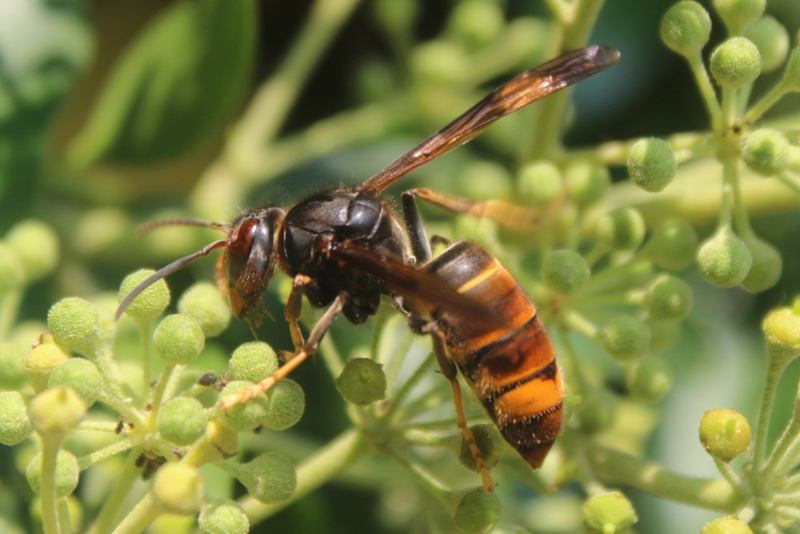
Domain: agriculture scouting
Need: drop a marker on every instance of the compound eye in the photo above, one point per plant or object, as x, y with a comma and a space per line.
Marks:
239, 247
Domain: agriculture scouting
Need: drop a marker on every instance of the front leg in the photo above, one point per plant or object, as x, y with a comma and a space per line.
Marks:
310, 347
294, 308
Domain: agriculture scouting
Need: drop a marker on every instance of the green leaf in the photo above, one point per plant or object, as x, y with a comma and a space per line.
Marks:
179, 81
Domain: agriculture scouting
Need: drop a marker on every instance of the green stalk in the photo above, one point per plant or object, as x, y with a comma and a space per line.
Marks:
706, 90
47, 490
158, 394
315, 471
577, 22
273, 101
776, 366
775, 94
616, 467
119, 492
84, 462
142, 515
397, 399
144, 332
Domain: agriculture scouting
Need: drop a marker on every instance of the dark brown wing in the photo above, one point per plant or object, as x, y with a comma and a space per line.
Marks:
413, 284
528, 87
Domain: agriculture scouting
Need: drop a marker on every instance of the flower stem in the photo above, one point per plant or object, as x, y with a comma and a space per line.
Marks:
120, 491
616, 467
50, 521
777, 364
706, 90
775, 94
144, 513
84, 462
144, 332
398, 398
273, 101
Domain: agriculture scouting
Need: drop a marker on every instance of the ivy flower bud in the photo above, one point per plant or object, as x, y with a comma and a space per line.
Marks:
287, 401
625, 338
724, 259
12, 370
608, 513
565, 271
362, 381
81, 375
67, 473
248, 415
37, 247
179, 488
726, 525
724, 433
652, 164
269, 478
782, 330
767, 265
649, 379
766, 151
182, 420
223, 517
673, 245
476, 22
739, 14
150, 303
586, 182
791, 76
540, 183
477, 511
15, 425
12, 273
735, 62
621, 229
57, 411
178, 339
74, 325
686, 28
596, 411
485, 179
772, 40
204, 302
40, 363
439, 62
490, 443
253, 362
668, 299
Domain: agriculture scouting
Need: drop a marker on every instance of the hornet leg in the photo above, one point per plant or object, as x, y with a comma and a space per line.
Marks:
450, 372
310, 347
